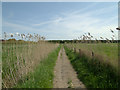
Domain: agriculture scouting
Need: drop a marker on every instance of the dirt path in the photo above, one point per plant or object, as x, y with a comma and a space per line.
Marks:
65, 76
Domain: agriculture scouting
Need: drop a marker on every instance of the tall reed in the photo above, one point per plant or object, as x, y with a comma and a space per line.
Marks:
20, 57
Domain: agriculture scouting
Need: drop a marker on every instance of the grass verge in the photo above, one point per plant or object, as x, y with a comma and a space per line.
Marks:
93, 73
43, 75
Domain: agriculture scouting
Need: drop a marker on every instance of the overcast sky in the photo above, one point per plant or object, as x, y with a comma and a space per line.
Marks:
60, 20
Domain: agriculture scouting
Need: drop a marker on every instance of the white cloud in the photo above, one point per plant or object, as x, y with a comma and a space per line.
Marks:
74, 24
43, 23
55, 21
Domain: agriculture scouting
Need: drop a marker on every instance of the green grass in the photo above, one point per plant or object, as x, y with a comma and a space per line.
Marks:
92, 72
43, 75
108, 51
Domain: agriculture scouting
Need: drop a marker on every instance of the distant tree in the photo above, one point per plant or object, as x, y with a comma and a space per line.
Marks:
12, 39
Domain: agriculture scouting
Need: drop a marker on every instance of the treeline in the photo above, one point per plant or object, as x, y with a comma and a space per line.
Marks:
84, 41
14, 41
69, 41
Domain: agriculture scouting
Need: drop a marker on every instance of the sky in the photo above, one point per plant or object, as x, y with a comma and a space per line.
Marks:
60, 20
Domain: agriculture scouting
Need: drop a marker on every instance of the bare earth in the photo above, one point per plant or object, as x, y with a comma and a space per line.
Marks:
65, 76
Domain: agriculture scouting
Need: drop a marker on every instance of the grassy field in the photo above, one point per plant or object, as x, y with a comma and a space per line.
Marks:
92, 72
21, 58
106, 52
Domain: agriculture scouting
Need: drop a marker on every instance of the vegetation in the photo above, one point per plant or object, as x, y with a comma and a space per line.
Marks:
19, 58
92, 72
95, 60
43, 75
29, 62
107, 53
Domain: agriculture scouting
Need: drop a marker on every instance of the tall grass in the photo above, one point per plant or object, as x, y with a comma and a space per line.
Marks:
19, 58
95, 60
92, 72
107, 53
43, 75
104, 49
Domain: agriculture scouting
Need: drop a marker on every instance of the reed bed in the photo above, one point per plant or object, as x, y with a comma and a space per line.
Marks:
95, 60
104, 49
19, 58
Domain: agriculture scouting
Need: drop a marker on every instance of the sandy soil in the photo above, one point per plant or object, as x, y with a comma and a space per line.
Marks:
65, 76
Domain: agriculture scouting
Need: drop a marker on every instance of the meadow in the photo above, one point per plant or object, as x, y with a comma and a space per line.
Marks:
105, 52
